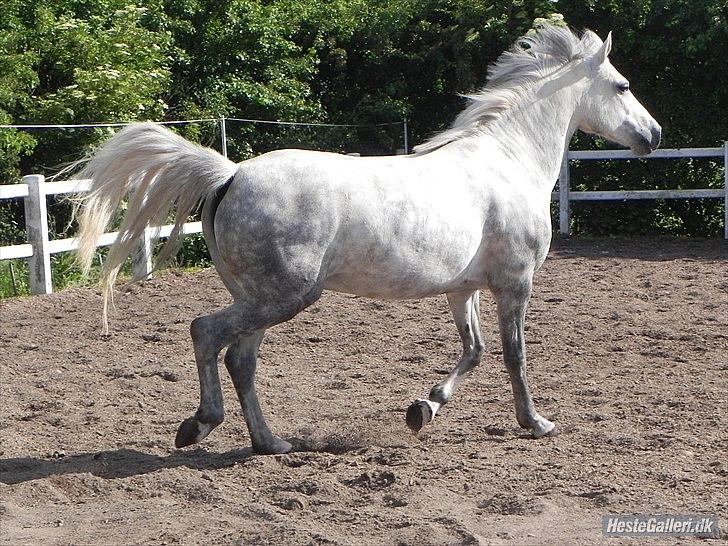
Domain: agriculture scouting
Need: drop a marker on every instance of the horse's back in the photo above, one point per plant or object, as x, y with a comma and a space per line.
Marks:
373, 226
391, 227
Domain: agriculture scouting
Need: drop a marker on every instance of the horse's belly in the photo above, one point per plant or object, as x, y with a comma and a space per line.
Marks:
369, 288
402, 275
404, 254
384, 288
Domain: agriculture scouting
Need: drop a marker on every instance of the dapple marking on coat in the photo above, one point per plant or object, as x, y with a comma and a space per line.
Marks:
468, 210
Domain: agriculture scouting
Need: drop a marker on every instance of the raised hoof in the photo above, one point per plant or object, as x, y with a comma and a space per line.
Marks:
192, 431
420, 413
274, 447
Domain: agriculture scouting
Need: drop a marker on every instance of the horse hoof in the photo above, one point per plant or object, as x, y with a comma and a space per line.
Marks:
544, 429
553, 432
420, 413
274, 447
191, 431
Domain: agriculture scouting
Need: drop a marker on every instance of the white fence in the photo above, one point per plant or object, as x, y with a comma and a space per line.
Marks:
34, 190
565, 197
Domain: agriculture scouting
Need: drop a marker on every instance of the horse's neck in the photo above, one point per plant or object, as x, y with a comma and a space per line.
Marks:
536, 133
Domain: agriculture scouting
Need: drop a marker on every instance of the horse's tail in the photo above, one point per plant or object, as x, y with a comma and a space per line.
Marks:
162, 173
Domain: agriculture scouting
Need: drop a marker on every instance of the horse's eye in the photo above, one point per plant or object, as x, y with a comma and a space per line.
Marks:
623, 87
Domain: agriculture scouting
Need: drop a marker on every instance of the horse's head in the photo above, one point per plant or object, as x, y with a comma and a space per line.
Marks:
609, 108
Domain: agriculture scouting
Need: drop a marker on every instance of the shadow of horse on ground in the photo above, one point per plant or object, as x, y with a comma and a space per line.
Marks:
125, 462
119, 463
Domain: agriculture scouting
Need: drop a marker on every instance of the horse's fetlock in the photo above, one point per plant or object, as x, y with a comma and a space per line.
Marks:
440, 394
210, 416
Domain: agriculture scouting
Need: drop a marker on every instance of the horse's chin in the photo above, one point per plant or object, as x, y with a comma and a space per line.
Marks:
641, 149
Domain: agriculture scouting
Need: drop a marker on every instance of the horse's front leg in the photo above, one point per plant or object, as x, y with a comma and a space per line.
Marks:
511, 302
465, 307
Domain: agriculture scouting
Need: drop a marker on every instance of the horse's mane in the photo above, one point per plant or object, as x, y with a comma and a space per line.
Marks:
532, 58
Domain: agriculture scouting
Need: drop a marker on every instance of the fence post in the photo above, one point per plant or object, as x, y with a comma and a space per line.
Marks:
564, 189
142, 257
36, 228
405, 130
223, 136
725, 188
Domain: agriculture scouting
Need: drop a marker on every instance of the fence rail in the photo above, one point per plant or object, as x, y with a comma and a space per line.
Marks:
566, 197
34, 191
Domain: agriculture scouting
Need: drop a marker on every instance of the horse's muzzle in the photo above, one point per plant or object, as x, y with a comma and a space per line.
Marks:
656, 132
645, 140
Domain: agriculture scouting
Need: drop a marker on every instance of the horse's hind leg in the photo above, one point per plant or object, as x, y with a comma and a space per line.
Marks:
211, 333
210, 412
465, 307
240, 360
511, 302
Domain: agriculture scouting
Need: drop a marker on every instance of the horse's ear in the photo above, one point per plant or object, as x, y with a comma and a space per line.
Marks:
601, 55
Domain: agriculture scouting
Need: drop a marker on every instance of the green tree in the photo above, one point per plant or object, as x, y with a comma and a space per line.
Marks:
381, 60
97, 62
73, 62
18, 78
238, 58
669, 49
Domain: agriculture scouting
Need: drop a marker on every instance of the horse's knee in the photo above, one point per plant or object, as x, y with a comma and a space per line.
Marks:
477, 353
472, 358
478, 350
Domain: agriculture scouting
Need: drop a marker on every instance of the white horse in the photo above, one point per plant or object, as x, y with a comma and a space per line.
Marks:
469, 210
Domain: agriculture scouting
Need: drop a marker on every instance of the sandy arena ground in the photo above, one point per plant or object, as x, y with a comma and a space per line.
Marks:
628, 351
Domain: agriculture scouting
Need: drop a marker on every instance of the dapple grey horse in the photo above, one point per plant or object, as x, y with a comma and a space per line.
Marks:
468, 211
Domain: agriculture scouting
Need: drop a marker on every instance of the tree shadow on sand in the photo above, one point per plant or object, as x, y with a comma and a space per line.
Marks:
644, 248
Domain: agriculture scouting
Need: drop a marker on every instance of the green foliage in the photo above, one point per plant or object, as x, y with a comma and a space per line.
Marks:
194, 252
17, 79
13, 278
692, 217
388, 59
346, 61
76, 62
671, 51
